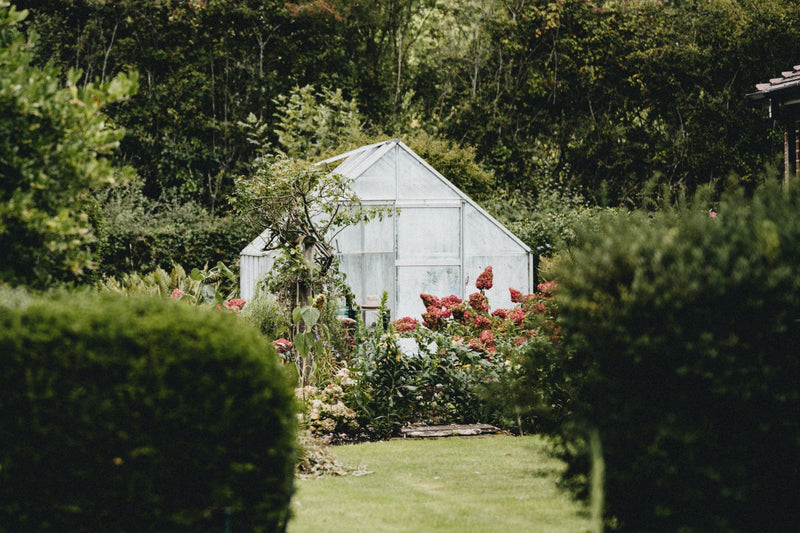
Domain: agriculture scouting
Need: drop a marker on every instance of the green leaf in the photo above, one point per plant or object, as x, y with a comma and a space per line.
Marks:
309, 315
304, 342
196, 275
208, 293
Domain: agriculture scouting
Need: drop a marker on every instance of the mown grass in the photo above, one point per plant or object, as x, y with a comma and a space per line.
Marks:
466, 485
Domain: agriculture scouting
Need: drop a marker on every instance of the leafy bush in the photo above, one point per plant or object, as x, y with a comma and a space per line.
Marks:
683, 328
140, 414
462, 364
430, 384
268, 315
215, 286
55, 144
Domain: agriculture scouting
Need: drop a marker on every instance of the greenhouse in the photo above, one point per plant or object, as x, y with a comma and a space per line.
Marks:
438, 243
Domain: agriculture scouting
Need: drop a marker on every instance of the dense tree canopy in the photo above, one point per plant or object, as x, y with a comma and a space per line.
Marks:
603, 96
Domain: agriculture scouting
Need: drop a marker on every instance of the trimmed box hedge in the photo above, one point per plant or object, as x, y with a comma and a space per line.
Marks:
139, 414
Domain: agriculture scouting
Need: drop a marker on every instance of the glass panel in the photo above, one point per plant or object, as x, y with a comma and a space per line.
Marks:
379, 235
378, 277
484, 237
429, 233
416, 182
378, 181
508, 270
349, 240
351, 266
413, 281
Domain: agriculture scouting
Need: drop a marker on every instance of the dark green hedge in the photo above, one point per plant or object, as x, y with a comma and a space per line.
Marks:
684, 329
139, 415
137, 234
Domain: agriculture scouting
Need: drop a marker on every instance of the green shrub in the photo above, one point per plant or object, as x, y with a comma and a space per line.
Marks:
684, 330
140, 235
140, 414
268, 315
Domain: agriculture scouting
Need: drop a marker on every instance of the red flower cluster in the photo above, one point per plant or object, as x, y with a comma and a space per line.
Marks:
434, 317
282, 345
482, 322
437, 310
235, 304
404, 324
484, 281
517, 316
478, 302
486, 332
430, 301
450, 301
547, 289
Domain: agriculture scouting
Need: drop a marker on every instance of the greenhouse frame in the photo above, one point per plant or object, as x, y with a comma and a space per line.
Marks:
438, 243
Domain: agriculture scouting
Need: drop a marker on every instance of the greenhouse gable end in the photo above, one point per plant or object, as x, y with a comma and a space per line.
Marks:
438, 243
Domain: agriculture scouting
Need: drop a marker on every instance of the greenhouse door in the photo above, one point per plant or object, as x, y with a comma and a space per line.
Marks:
429, 253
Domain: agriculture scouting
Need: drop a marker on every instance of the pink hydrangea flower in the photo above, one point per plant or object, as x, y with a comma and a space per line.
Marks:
282, 345
478, 302
176, 294
482, 322
404, 324
235, 304
450, 301
500, 313
431, 319
485, 280
548, 288
428, 300
487, 337
516, 296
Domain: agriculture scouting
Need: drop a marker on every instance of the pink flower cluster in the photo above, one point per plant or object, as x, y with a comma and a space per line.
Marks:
405, 324
437, 310
235, 304
477, 328
282, 345
484, 281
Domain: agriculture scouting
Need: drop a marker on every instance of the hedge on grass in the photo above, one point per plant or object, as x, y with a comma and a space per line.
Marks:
685, 330
139, 414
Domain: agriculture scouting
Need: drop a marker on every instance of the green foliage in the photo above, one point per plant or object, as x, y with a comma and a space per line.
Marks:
682, 335
432, 384
140, 414
55, 146
205, 66
314, 125
216, 286
140, 235
268, 315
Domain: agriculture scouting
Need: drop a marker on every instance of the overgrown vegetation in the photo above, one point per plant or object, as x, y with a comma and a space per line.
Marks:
55, 146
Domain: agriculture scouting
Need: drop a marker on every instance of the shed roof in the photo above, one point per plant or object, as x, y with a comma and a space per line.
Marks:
788, 80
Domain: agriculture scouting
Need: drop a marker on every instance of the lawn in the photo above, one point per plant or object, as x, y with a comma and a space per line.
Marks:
467, 485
